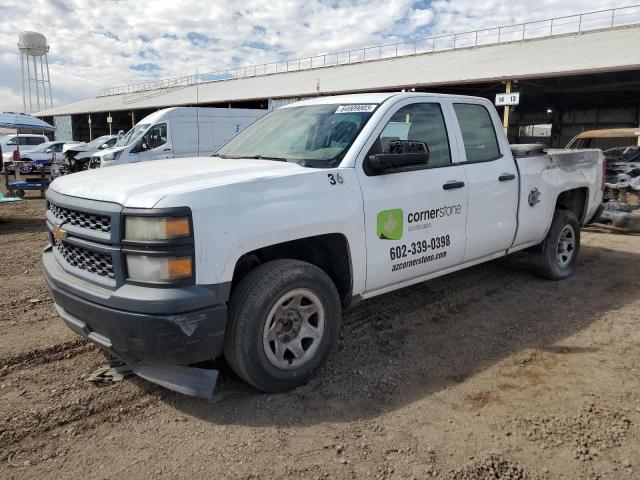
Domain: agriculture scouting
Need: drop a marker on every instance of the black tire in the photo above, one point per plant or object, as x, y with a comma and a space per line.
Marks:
249, 308
549, 259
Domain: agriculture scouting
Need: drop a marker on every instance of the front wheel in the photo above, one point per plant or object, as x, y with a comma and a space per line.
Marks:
284, 317
556, 257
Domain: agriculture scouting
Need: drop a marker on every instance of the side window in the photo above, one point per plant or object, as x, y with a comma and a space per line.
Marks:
35, 140
13, 141
111, 143
22, 141
478, 132
156, 136
58, 147
421, 122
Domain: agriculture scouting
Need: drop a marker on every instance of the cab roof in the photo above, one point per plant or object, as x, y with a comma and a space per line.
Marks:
370, 98
611, 133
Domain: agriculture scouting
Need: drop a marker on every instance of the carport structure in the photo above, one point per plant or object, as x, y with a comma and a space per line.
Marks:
576, 73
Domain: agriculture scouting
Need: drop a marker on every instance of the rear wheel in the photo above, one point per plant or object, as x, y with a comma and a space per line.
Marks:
555, 258
284, 317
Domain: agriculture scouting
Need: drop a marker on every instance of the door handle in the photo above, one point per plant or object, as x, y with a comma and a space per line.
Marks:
167, 150
453, 184
506, 177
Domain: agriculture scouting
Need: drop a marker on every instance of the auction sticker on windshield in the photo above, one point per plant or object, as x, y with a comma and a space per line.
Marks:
355, 108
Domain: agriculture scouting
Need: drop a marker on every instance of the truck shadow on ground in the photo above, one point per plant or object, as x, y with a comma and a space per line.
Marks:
409, 344
22, 217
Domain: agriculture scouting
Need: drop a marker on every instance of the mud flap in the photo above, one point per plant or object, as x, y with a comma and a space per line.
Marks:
195, 382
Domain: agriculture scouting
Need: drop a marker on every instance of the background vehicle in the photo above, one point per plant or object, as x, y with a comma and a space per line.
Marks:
23, 141
606, 138
255, 252
621, 149
177, 132
77, 157
40, 152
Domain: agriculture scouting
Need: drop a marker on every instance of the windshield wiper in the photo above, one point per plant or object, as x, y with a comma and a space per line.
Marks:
262, 157
255, 157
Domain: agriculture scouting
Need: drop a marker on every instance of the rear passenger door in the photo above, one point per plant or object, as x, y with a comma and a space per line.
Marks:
492, 180
414, 219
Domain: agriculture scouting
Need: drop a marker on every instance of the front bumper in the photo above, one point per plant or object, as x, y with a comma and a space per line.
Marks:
176, 326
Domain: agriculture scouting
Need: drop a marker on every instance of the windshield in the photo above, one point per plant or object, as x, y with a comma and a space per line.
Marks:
98, 141
312, 136
43, 147
132, 135
623, 154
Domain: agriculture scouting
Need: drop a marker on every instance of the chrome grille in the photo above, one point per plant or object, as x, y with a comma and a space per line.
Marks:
101, 223
87, 260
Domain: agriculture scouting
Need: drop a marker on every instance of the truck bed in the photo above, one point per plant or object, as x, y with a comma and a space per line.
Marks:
543, 175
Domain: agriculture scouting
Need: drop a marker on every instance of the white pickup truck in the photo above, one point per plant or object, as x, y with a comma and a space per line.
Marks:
254, 253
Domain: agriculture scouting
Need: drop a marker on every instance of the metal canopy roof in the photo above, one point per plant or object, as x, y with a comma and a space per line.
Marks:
597, 51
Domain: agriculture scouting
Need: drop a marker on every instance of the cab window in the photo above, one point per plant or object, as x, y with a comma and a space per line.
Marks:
156, 136
478, 132
423, 122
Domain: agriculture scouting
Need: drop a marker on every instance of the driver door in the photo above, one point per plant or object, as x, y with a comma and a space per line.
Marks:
158, 143
414, 219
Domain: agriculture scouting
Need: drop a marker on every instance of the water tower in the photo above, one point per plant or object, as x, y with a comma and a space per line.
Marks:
33, 48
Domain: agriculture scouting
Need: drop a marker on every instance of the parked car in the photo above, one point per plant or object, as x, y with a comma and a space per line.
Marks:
77, 157
23, 141
177, 132
43, 151
254, 252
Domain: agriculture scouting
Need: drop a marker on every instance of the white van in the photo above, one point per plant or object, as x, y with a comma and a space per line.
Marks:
177, 132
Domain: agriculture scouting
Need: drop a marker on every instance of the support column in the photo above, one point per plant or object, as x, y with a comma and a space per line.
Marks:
24, 91
505, 118
90, 131
35, 76
46, 60
109, 114
44, 90
133, 119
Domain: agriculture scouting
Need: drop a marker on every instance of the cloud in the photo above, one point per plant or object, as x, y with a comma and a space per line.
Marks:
96, 44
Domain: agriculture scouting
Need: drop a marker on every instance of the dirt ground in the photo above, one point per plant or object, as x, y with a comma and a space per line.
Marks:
487, 373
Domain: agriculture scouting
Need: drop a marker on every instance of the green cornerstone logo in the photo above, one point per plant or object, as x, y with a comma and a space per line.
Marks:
390, 224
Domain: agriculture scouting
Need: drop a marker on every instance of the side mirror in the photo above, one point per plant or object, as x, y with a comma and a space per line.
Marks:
103, 146
140, 147
48, 150
403, 155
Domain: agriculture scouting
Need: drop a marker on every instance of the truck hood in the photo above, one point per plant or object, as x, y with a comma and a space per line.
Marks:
106, 151
142, 185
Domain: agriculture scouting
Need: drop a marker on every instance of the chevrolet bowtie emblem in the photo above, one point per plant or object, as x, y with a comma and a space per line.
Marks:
59, 233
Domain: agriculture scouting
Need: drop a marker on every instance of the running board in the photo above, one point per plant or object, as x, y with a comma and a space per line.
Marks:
195, 382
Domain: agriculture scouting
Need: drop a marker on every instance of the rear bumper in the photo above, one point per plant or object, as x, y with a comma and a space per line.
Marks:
164, 334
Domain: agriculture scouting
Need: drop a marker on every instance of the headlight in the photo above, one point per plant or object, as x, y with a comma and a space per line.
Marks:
113, 156
147, 229
143, 268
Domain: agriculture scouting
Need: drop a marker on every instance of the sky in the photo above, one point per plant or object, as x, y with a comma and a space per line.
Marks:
102, 43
